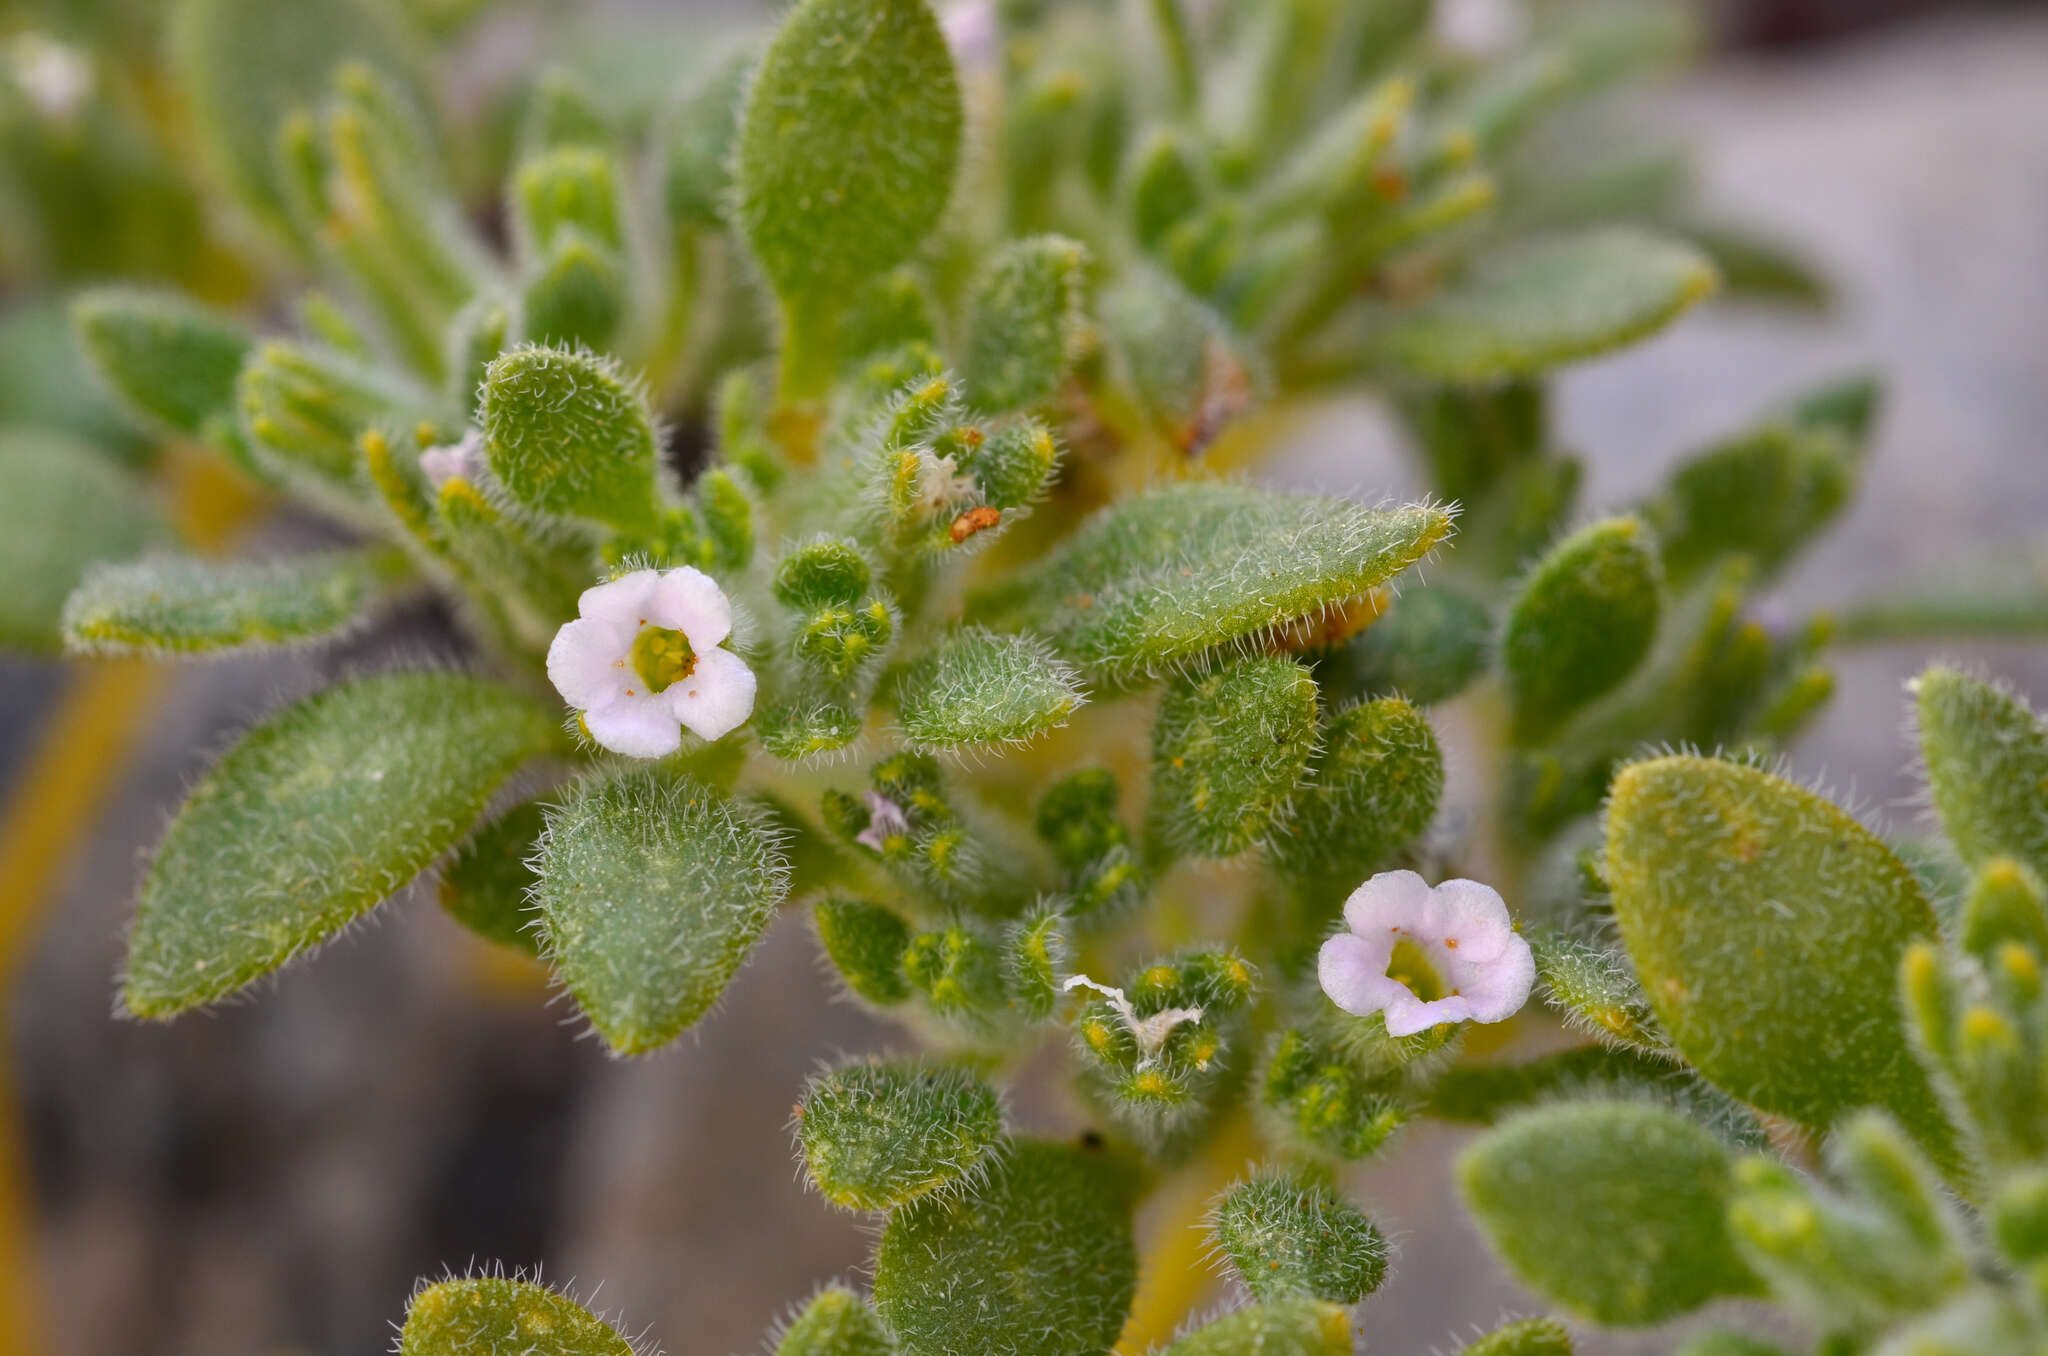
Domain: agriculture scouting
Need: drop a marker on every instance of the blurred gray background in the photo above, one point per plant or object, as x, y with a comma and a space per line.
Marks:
273, 1177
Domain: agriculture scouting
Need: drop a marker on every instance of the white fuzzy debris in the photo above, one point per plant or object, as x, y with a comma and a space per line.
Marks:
1150, 1032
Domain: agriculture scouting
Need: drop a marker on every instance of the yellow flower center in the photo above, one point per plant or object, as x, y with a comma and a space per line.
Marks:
1410, 967
662, 657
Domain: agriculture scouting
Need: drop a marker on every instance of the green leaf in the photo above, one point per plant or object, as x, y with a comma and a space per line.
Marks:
865, 943
1530, 1337
1372, 790
569, 186
576, 299
489, 1315
836, 1322
321, 811
1583, 621
304, 410
1428, 648
244, 65
1539, 306
1724, 1343
1597, 993
569, 436
170, 361
848, 145
1768, 927
653, 889
878, 1135
1027, 322
1615, 1211
1282, 1328
974, 688
697, 137
1157, 579
1291, 1236
1482, 1094
1763, 495
1038, 1261
486, 888
1227, 752
1987, 768
64, 507
180, 605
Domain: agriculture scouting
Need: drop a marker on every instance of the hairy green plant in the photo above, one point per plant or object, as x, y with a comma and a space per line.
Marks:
836, 476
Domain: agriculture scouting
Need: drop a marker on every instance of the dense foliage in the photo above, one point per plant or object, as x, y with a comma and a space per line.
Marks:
836, 478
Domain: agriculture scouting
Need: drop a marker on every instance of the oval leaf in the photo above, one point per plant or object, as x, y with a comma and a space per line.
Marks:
177, 605
653, 889
835, 1323
1767, 926
848, 145
975, 687
1583, 620
1038, 1262
878, 1135
489, 1314
65, 506
569, 436
1987, 768
1162, 577
1282, 1328
1542, 305
169, 360
1615, 1211
320, 812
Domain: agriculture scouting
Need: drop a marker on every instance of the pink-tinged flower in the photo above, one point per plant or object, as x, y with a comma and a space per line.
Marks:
457, 461
885, 821
1423, 956
643, 659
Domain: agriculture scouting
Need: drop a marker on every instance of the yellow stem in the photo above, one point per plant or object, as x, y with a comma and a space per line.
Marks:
1174, 1274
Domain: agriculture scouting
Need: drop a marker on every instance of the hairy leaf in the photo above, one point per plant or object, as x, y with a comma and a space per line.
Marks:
1614, 1211
63, 507
321, 811
653, 889
974, 687
1987, 768
1228, 749
1583, 621
490, 1315
1530, 1337
180, 605
1036, 1262
1157, 579
1280, 1328
848, 145
569, 436
1290, 1235
1538, 306
836, 1322
486, 887
1373, 789
170, 361
1027, 323
879, 1135
1768, 926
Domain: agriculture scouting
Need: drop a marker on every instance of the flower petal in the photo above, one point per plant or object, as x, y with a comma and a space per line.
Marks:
690, 601
587, 663
1353, 972
639, 727
1497, 989
1472, 915
1390, 900
717, 697
1405, 1019
627, 600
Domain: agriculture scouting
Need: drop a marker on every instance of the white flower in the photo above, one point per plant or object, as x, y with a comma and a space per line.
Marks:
644, 657
457, 461
1423, 956
57, 79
